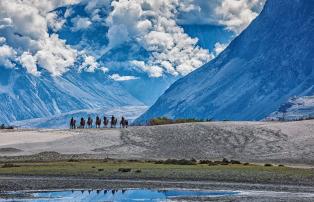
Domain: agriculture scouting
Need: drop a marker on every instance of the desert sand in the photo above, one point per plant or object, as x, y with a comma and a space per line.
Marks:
277, 142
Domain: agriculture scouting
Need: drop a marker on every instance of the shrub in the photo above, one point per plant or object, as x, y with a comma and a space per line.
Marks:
9, 165
138, 171
224, 160
211, 163
181, 162
205, 162
268, 165
124, 170
281, 165
100, 169
160, 121
73, 160
166, 121
178, 162
235, 162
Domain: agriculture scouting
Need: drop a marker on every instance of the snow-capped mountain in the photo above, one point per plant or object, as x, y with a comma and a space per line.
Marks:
269, 62
24, 96
297, 108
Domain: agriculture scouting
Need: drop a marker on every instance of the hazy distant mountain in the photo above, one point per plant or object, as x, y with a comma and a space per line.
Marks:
297, 108
271, 61
24, 96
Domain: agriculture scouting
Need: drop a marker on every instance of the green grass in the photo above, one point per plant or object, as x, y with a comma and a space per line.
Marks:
227, 173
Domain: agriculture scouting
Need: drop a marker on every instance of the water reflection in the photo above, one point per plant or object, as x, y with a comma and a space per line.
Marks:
120, 195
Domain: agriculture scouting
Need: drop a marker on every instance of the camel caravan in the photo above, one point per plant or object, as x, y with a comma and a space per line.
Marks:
124, 123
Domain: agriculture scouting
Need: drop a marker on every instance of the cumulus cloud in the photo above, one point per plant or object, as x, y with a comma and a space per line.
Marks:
55, 56
117, 35
29, 62
95, 7
219, 47
28, 32
118, 77
80, 23
153, 71
7, 56
54, 22
235, 15
90, 64
152, 25
5, 22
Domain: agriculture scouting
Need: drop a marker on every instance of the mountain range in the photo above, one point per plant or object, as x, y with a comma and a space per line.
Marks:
26, 98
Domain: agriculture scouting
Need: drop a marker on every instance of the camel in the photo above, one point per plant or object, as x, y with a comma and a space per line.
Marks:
90, 122
106, 122
113, 122
98, 122
82, 123
124, 123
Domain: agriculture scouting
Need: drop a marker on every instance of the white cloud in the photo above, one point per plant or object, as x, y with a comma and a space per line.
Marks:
7, 56
152, 25
90, 64
117, 35
117, 77
94, 7
80, 23
153, 71
219, 48
54, 22
104, 69
26, 30
5, 22
29, 62
237, 15
55, 56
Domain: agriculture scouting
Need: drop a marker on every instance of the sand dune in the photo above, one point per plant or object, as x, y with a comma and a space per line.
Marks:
288, 142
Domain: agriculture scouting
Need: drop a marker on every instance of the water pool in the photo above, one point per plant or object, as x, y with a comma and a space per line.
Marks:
117, 195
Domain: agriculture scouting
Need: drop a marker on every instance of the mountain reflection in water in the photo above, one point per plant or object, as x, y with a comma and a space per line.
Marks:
120, 195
